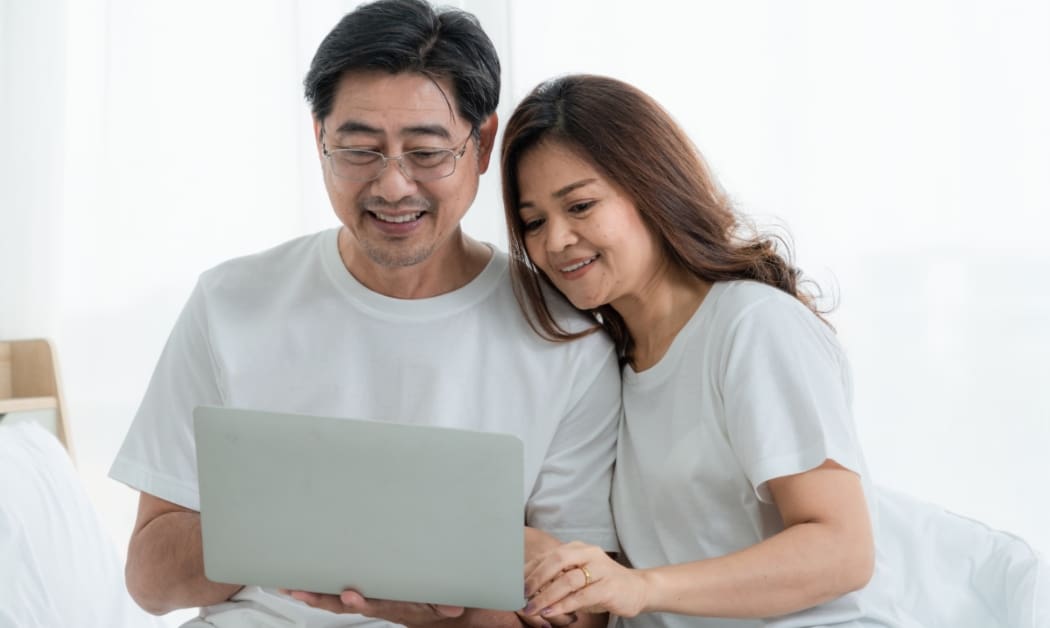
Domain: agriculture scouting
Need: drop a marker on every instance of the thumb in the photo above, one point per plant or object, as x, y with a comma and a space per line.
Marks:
352, 599
448, 611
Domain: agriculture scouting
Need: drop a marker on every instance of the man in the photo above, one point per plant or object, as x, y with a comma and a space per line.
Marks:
397, 315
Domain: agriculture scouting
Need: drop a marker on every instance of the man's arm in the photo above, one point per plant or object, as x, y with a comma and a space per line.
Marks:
165, 568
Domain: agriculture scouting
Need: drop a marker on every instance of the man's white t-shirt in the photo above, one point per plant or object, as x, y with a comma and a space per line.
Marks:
753, 388
291, 330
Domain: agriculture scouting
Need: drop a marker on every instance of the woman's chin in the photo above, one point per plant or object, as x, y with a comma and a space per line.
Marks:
585, 303
580, 299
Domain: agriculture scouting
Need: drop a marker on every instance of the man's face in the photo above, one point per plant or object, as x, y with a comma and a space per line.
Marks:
394, 220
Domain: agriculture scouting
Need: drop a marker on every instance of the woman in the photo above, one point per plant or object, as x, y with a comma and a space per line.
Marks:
740, 489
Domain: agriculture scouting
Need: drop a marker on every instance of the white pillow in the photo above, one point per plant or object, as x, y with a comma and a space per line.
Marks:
955, 572
58, 567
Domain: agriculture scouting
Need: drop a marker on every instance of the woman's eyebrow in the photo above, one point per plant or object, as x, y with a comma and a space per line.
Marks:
572, 186
561, 192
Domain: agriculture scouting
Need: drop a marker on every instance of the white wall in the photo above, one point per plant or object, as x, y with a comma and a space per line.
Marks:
905, 145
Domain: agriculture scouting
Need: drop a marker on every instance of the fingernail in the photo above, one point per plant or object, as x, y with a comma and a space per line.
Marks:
546, 625
529, 609
546, 611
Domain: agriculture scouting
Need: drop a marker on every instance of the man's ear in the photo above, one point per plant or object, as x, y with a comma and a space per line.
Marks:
317, 136
487, 131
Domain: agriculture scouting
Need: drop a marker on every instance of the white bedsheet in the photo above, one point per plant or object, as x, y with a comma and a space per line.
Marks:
58, 567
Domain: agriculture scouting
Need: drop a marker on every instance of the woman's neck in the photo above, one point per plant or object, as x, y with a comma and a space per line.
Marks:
656, 314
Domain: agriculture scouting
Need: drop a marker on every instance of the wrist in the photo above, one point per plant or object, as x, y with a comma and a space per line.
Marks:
651, 590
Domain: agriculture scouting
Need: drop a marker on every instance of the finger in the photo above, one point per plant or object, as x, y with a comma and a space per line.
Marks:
323, 601
560, 550
561, 587
562, 620
447, 611
547, 568
589, 599
573, 548
353, 599
534, 621
399, 612
563, 558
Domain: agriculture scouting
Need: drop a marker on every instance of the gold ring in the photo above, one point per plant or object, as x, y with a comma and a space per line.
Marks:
586, 575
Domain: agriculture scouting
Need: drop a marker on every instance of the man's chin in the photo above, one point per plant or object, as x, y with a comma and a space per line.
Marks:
396, 257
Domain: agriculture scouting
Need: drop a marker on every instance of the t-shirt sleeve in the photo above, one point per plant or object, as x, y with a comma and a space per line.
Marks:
571, 497
158, 455
786, 392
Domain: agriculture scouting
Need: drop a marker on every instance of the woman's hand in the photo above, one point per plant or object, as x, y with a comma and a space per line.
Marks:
538, 543
580, 577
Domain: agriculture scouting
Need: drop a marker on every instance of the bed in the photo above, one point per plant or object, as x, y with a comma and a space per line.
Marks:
58, 567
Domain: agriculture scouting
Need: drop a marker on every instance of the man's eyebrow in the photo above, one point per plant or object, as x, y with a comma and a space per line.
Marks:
427, 130
562, 192
351, 127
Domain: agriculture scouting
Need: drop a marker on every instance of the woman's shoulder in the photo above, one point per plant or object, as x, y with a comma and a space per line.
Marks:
744, 298
750, 307
752, 313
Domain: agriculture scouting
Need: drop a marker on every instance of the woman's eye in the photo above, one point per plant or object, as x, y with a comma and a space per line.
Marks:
532, 225
577, 208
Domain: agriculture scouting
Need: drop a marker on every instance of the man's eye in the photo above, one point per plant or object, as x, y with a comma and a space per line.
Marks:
427, 158
357, 157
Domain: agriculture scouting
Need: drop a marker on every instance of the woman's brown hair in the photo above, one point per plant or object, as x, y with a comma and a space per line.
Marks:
630, 139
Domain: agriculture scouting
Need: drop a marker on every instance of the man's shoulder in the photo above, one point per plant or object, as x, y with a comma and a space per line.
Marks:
266, 267
596, 345
565, 314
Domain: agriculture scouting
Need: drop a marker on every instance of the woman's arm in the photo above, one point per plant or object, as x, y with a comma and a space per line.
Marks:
825, 550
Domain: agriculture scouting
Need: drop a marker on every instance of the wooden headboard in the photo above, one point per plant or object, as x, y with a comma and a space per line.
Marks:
30, 388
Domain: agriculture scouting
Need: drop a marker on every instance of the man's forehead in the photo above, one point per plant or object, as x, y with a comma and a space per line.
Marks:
380, 102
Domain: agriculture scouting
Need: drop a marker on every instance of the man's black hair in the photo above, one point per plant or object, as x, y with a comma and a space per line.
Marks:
409, 36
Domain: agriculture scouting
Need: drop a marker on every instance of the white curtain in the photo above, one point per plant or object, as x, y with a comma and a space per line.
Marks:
904, 144
32, 96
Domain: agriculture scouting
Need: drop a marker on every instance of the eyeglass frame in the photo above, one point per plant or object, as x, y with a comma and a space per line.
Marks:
456, 156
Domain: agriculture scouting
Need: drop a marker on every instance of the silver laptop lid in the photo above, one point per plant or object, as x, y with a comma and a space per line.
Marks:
402, 512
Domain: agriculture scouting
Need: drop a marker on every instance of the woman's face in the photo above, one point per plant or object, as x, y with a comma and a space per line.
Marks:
581, 230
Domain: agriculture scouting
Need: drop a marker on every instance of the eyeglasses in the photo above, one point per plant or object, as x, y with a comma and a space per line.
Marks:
421, 164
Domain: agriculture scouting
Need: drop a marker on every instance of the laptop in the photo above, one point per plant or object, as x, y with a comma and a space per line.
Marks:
394, 511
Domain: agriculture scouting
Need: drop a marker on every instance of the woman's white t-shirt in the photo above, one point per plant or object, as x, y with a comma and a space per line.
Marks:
753, 388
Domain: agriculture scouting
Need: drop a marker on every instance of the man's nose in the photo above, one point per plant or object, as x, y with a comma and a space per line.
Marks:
393, 183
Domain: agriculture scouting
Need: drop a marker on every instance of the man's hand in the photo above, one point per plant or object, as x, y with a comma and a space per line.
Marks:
408, 613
